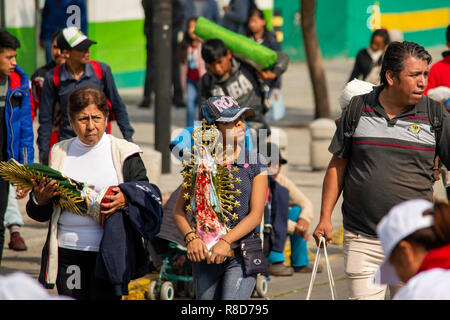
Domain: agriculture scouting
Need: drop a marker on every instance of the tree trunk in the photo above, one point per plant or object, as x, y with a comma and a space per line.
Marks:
314, 58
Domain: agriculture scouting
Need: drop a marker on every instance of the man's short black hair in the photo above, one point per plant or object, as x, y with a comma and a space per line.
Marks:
8, 41
213, 50
396, 55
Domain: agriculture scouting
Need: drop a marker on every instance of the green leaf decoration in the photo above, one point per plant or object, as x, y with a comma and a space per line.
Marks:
71, 191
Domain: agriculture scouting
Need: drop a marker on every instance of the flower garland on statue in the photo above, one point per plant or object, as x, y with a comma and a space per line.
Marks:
209, 186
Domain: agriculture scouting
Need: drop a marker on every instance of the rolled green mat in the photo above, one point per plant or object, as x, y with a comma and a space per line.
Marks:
256, 54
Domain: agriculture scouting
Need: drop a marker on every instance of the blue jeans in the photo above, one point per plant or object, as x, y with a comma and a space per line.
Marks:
191, 102
226, 281
299, 249
48, 50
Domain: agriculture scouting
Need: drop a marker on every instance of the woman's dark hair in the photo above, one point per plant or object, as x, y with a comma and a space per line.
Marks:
213, 50
258, 13
186, 42
83, 97
437, 235
396, 55
8, 41
381, 33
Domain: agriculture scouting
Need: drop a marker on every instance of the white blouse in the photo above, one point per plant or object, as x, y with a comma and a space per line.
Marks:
433, 284
92, 165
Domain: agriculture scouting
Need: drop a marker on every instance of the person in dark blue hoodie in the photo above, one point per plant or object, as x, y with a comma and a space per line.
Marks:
236, 14
202, 8
16, 135
58, 14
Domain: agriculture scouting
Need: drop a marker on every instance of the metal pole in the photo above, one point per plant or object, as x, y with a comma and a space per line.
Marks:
162, 48
2, 14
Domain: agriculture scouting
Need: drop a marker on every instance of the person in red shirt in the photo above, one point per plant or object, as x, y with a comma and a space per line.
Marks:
440, 71
439, 76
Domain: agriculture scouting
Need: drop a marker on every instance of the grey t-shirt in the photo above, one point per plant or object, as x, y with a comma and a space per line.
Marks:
390, 161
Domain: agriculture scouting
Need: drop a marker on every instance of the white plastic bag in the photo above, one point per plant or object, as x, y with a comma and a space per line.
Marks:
316, 265
277, 108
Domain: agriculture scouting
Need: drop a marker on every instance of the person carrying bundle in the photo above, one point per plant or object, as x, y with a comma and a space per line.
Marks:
228, 75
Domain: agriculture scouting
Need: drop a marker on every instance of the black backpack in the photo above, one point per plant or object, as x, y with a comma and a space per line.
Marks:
357, 105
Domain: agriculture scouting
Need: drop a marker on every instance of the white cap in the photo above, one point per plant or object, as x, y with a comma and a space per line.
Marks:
76, 39
401, 221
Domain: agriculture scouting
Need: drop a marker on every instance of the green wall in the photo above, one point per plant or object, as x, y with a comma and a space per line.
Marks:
341, 28
331, 21
342, 25
358, 35
121, 44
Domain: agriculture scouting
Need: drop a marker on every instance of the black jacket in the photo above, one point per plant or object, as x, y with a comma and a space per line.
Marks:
279, 213
123, 256
363, 65
133, 170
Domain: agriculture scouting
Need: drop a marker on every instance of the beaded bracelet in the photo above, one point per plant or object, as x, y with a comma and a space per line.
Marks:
226, 241
185, 236
193, 238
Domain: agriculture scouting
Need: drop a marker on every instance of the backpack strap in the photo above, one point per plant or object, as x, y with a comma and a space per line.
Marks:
435, 115
99, 73
353, 114
57, 71
56, 75
97, 69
